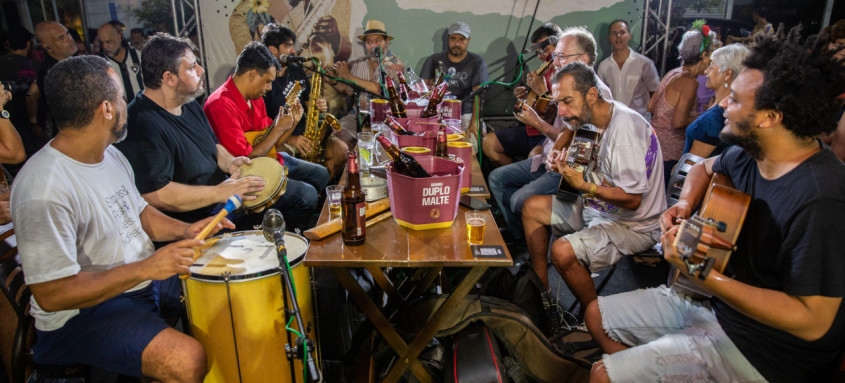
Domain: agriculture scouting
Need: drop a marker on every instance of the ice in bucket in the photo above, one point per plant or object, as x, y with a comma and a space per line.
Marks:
426, 203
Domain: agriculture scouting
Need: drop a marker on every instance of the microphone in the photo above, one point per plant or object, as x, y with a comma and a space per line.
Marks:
376, 51
287, 60
273, 226
551, 40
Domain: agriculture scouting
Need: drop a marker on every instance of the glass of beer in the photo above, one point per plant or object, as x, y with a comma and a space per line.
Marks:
475, 227
333, 194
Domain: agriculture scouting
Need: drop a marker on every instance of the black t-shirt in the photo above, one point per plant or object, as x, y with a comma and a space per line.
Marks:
163, 147
791, 241
470, 72
275, 98
45, 119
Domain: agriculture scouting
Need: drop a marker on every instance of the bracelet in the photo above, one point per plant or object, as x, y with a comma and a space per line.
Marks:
593, 190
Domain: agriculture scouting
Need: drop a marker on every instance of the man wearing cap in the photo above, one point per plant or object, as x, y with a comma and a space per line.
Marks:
366, 74
470, 69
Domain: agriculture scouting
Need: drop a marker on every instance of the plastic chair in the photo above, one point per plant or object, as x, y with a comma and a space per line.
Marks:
679, 174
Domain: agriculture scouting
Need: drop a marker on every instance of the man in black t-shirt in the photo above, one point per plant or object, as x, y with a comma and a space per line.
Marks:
279, 40
470, 69
776, 314
179, 166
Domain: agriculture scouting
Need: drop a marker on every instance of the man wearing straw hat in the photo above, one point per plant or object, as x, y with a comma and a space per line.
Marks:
366, 74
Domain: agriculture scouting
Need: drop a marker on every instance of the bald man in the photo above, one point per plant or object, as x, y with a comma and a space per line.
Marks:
59, 45
125, 62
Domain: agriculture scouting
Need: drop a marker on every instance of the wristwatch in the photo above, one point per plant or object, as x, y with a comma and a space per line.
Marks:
5, 114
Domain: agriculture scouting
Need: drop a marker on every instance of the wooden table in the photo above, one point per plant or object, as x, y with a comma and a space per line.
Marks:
428, 251
478, 179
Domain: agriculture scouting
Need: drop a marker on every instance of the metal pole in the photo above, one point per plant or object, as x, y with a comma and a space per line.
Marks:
175, 18
25, 14
729, 9
56, 12
828, 10
201, 40
666, 41
643, 48
84, 23
43, 12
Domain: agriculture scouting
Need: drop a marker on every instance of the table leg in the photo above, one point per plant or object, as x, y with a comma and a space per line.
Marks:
385, 283
379, 321
408, 358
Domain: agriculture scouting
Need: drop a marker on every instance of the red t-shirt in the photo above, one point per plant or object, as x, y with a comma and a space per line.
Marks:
530, 130
230, 116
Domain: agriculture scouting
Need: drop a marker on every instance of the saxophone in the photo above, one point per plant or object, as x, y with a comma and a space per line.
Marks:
317, 133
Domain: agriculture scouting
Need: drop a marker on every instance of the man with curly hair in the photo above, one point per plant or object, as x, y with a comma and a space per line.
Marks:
777, 315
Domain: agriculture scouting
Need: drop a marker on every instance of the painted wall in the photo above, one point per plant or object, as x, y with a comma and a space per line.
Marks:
499, 29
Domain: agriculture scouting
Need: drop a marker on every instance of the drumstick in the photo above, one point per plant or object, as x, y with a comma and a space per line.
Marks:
232, 204
333, 226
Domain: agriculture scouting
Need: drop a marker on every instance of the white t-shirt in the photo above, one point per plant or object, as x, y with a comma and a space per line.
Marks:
630, 158
632, 83
71, 217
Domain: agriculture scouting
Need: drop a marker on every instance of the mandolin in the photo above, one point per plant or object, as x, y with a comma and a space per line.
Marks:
256, 136
705, 241
538, 102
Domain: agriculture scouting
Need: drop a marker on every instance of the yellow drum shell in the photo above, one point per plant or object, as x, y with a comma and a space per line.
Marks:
257, 308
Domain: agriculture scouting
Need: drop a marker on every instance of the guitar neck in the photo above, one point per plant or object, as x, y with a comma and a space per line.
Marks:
532, 96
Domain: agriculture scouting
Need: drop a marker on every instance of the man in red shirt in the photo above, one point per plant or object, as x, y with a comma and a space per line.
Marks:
237, 107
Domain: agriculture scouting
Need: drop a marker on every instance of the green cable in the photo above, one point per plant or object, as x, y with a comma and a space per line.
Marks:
475, 103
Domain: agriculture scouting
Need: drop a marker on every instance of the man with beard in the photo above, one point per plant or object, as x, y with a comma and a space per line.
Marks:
100, 291
237, 107
512, 184
777, 315
623, 192
631, 76
367, 75
179, 166
470, 69
124, 61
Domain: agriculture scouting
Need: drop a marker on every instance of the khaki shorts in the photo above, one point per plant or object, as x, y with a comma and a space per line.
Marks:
598, 242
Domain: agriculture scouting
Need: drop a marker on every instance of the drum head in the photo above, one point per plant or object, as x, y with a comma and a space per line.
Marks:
274, 176
245, 255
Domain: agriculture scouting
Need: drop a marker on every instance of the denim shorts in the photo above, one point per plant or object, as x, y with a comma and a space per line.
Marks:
112, 335
673, 338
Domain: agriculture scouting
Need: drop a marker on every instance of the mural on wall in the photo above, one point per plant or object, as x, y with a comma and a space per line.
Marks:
545, 10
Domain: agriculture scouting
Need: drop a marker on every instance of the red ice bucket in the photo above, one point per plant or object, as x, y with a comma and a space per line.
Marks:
426, 203
461, 152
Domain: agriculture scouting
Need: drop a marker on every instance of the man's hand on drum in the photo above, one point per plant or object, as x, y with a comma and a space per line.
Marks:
170, 260
301, 143
192, 230
240, 186
237, 163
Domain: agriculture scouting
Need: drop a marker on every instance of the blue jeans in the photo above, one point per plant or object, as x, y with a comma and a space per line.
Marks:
512, 184
315, 175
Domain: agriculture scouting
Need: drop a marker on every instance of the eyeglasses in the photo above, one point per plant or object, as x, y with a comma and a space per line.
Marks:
562, 56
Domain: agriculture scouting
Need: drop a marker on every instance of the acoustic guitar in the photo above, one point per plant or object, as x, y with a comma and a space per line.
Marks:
705, 241
256, 136
581, 154
536, 101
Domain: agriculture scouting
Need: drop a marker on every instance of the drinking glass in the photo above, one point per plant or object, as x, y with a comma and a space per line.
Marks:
476, 223
366, 144
333, 194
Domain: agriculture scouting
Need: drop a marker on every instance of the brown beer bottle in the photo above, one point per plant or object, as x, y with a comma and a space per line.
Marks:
395, 127
403, 163
353, 206
403, 87
440, 149
397, 107
436, 97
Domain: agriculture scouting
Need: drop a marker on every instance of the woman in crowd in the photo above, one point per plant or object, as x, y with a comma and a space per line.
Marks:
702, 136
673, 104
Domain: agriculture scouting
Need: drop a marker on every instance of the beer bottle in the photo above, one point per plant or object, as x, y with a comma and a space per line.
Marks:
436, 97
403, 163
397, 107
353, 206
395, 127
403, 87
440, 149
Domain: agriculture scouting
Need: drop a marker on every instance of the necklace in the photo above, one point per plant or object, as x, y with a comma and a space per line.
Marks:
609, 117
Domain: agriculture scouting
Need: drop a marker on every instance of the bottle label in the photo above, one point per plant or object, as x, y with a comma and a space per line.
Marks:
360, 218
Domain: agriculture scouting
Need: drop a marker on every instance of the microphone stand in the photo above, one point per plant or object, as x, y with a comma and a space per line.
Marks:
295, 350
